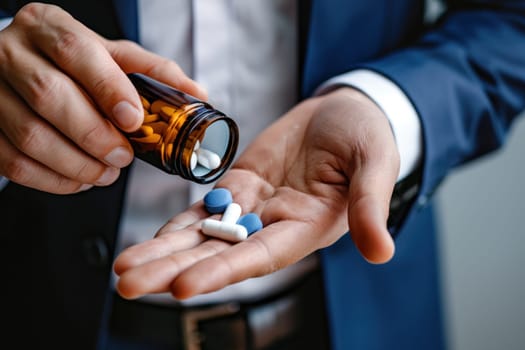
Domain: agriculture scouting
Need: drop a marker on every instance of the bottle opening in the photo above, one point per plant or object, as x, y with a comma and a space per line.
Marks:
181, 134
215, 140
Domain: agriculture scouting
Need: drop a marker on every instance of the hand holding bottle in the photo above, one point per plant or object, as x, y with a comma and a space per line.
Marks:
66, 99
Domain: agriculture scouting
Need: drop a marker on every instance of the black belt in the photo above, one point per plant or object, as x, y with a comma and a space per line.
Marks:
291, 320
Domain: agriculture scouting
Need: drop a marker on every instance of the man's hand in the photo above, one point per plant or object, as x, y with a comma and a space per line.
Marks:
64, 95
327, 167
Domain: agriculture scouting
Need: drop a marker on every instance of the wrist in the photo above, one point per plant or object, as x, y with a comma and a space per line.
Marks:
395, 104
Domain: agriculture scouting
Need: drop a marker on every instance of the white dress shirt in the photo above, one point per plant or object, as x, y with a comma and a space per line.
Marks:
245, 55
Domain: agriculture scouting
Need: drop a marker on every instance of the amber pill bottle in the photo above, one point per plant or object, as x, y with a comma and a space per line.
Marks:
176, 126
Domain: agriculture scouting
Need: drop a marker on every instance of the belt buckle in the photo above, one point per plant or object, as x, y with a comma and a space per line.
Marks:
192, 317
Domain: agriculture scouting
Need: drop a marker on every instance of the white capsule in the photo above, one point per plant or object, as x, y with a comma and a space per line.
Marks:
208, 159
193, 161
224, 230
232, 213
197, 145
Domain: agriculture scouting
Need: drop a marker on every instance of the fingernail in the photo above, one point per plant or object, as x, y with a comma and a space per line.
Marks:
126, 116
85, 187
119, 157
108, 177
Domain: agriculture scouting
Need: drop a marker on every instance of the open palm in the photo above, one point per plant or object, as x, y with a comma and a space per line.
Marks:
326, 167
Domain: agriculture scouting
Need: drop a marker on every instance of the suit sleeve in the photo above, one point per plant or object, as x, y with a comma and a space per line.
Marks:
466, 79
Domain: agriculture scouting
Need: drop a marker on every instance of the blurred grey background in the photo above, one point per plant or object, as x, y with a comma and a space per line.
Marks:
482, 242
481, 209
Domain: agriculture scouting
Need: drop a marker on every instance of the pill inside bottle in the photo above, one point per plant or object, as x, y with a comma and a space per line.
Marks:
181, 134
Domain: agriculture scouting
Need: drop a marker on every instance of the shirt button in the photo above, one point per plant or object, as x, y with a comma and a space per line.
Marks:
95, 251
422, 201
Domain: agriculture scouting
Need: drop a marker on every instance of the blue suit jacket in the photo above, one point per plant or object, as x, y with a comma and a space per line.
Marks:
466, 79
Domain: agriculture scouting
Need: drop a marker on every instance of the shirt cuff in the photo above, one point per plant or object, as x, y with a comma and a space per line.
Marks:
4, 22
400, 112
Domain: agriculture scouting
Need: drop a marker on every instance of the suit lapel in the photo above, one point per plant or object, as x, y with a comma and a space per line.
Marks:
304, 12
126, 12
340, 35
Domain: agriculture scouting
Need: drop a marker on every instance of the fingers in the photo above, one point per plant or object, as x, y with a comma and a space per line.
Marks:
36, 139
260, 254
133, 58
80, 54
188, 218
156, 276
51, 75
295, 225
23, 170
187, 266
180, 233
161, 246
67, 85
56, 98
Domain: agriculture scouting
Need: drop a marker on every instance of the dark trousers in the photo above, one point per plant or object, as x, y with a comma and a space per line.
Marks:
293, 319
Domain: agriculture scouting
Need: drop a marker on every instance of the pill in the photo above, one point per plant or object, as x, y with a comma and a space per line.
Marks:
193, 161
208, 159
144, 130
159, 127
157, 105
217, 200
224, 230
153, 138
251, 222
197, 145
232, 213
150, 118
169, 149
166, 112
145, 103
175, 119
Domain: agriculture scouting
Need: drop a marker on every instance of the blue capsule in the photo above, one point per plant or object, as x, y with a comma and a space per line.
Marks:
251, 222
217, 200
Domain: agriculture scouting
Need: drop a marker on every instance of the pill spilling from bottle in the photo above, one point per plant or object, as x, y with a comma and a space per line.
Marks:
233, 226
182, 135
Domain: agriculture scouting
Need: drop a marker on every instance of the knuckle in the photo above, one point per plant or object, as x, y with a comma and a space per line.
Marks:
63, 185
266, 255
42, 89
162, 65
128, 44
67, 46
103, 88
121, 48
224, 264
29, 14
34, 13
17, 170
8, 53
30, 137
81, 172
91, 138
86, 173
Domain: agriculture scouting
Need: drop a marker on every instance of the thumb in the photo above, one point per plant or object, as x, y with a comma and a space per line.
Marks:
369, 201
